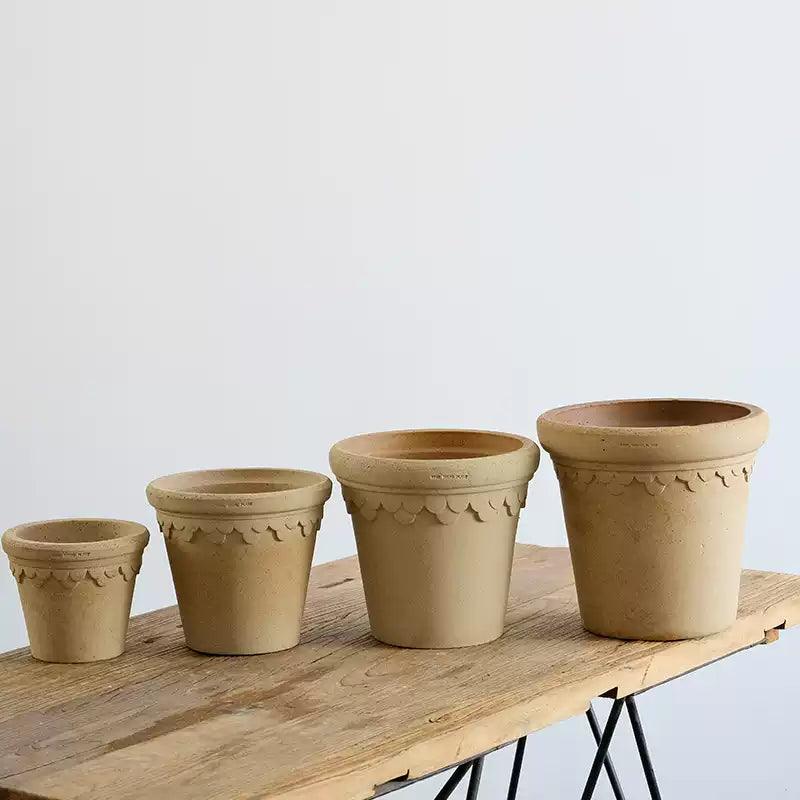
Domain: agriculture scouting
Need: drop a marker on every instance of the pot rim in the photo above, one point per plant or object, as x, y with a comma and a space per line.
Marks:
132, 538
735, 431
521, 443
550, 417
294, 490
357, 460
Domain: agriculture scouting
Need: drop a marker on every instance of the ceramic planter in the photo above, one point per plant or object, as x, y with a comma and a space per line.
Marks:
75, 579
655, 495
435, 516
240, 543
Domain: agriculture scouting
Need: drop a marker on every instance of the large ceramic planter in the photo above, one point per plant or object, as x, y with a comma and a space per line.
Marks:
655, 495
75, 579
435, 516
240, 543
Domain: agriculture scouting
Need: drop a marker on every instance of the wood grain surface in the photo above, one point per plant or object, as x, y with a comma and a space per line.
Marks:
341, 714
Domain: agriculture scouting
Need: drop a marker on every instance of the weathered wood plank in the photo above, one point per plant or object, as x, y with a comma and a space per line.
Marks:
339, 714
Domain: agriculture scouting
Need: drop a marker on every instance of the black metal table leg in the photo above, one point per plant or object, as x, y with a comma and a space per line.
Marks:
602, 750
519, 754
616, 787
641, 744
453, 781
475, 779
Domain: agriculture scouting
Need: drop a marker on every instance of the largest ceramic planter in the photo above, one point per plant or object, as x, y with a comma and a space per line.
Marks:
655, 495
240, 543
435, 516
75, 580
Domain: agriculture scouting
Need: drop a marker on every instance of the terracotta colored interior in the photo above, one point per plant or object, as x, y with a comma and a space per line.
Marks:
236, 481
650, 413
433, 445
65, 531
242, 487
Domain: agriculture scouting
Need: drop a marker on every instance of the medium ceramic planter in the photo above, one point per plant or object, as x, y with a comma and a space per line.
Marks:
435, 516
655, 495
75, 579
240, 543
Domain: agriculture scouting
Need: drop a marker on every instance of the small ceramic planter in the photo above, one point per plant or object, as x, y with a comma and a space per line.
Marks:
435, 516
240, 543
655, 496
75, 580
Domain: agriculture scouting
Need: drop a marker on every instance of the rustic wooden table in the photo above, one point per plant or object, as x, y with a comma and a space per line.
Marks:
341, 716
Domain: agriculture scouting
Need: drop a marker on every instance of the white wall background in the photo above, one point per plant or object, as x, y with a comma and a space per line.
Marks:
234, 232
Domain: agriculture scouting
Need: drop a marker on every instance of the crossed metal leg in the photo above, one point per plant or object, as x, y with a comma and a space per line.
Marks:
475, 779
475, 768
607, 763
453, 781
641, 744
602, 757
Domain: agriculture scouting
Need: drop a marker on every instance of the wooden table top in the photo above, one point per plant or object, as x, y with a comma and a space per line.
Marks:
340, 714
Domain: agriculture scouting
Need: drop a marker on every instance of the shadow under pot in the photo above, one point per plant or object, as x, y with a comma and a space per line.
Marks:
75, 579
240, 543
655, 497
435, 517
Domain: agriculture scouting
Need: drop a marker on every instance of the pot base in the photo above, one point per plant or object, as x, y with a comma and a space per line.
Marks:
210, 651
68, 659
77, 624
443, 644
660, 567
241, 599
430, 586
654, 636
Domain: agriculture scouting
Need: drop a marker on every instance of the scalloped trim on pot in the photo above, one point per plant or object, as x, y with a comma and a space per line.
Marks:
654, 482
70, 578
446, 508
251, 530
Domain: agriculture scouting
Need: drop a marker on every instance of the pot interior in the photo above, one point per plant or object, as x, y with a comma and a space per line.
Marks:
433, 445
237, 481
649, 413
64, 531
238, 487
